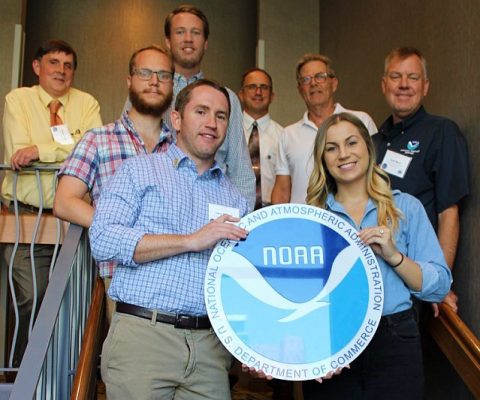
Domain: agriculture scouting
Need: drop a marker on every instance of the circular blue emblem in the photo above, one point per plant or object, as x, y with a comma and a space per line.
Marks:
300, 297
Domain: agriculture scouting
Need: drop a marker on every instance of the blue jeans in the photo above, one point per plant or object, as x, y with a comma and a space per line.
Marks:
390, 367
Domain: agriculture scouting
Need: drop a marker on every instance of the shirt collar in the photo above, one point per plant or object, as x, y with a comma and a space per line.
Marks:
262, 122
389, 127
179, 78
181, 160
165, 132
45, 98
335, 206
339, 109
306, 121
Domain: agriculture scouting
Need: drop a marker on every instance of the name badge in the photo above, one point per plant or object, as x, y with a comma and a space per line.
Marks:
217, 210
395, 163
61, 134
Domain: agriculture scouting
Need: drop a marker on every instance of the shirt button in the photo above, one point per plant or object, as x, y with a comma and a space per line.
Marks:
402, 132
388, 144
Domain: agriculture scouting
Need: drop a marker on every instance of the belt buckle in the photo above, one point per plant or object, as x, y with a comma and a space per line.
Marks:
182, 321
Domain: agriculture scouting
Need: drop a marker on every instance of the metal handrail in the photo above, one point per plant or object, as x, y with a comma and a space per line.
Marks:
37, 168
52, 353
55, 336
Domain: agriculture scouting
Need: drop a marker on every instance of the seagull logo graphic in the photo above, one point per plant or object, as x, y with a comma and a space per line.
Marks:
250, 279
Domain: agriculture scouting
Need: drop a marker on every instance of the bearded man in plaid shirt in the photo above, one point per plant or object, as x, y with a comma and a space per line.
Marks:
99, 153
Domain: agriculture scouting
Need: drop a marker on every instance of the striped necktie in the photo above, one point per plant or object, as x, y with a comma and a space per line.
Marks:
55, 119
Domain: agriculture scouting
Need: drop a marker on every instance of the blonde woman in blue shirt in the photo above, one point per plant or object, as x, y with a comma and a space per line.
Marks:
346, 181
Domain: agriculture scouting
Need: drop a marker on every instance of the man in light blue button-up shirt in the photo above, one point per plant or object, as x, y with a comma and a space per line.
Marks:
157, 219
186, 32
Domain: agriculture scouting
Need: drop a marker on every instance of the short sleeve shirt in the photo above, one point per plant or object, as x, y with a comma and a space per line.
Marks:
438, 172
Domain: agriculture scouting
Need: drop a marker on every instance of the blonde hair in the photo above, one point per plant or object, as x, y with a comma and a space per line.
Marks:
403, 53
321, 183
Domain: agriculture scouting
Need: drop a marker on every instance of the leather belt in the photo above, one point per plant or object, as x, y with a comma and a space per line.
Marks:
180, 321
27, 207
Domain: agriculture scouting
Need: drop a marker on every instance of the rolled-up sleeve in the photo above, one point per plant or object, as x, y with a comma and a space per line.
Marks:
113, 236
425, 250
436, 282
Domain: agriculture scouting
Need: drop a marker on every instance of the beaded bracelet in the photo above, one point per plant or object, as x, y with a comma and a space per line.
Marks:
401, 261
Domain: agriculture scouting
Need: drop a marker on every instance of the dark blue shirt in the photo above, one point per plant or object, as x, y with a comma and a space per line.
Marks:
438, 173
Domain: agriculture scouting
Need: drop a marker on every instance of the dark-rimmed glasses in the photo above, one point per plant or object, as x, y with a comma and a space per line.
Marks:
252, 87
145, 74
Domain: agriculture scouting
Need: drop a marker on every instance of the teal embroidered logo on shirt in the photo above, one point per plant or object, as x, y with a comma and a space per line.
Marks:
413, 145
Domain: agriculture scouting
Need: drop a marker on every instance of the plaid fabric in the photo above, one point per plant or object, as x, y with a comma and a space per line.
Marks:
159, 194
232, 156
99, 153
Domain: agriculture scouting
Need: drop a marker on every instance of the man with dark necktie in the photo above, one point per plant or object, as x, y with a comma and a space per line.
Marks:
261, 132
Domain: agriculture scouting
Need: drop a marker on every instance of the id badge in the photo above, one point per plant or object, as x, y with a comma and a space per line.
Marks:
217, 210
395, 164
61, 134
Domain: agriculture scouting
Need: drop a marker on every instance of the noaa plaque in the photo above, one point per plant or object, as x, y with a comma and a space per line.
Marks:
300, 297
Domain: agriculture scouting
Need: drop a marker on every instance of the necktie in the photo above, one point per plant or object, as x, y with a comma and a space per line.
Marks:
55, 119
254, 148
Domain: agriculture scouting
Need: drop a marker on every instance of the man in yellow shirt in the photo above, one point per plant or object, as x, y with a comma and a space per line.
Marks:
41, 124
27, 127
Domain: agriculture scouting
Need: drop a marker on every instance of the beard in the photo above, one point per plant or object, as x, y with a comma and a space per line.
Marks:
155, 109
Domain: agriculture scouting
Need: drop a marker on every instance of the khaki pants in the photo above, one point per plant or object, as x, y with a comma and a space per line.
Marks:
143, 360
109, 303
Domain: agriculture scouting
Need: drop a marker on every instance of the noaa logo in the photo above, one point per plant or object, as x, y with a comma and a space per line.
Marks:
412, 145
300, 297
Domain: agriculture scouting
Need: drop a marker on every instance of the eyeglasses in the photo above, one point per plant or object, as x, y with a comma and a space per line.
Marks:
145, 74
252, 87
319, 77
